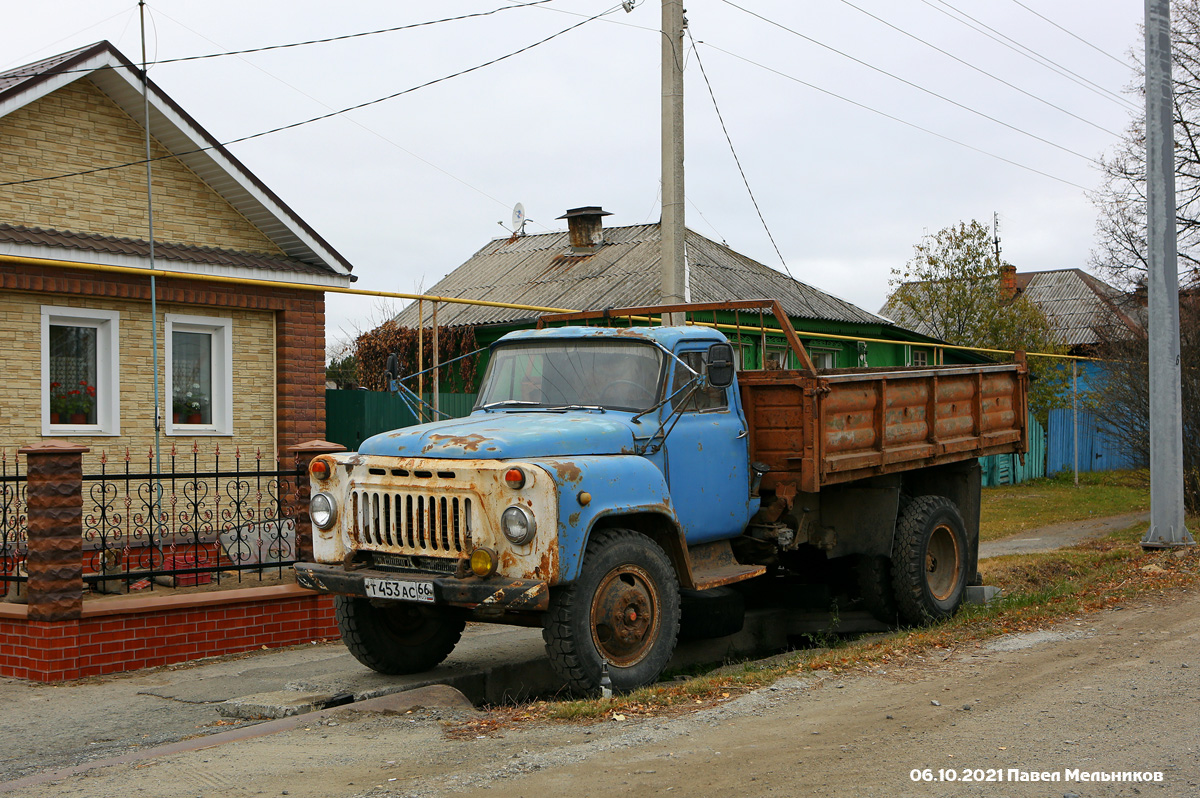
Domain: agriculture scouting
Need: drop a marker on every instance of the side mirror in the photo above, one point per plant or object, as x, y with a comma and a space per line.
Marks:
391, 371
720, 365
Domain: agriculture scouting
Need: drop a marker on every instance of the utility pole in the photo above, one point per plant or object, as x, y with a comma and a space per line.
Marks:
672, 224
1166, 422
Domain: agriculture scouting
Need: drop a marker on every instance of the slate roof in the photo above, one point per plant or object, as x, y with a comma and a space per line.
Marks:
542, 271
173, 128
1074, 302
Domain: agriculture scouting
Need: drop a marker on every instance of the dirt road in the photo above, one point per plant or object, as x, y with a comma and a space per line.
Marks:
1118, 691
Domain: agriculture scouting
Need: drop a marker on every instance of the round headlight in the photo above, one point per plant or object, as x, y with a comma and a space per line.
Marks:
322, 509
518, 525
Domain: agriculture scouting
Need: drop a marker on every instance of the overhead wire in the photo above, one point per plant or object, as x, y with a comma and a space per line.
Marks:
742, 171
1027, 52
305, 43
894, 118
1072, 34
355, 122
980, 70
130, 13
356, 107
909, 83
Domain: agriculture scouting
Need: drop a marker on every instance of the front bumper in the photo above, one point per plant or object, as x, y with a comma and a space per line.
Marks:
470, 592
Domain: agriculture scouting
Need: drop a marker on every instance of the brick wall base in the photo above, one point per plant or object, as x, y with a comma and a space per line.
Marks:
124, 634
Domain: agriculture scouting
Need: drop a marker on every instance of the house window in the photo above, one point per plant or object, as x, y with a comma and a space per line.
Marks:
823, 358
199, 375
80, 383
920, 357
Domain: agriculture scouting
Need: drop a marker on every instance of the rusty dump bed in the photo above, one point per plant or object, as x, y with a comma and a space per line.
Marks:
822, 429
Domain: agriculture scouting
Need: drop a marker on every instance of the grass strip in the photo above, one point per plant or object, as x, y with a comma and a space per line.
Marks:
1039, 590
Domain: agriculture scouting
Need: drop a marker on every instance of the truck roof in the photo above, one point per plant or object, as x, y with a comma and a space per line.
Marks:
667, 336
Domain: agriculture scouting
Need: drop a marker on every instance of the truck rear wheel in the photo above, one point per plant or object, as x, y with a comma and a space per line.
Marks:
874, 575
396, 637
622, 610
929, 560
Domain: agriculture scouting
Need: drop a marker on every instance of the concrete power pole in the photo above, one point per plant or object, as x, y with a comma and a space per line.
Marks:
672, 224
1166, 421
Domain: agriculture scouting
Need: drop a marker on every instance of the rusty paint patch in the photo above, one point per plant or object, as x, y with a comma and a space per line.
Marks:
468, 443
573, 520
568, 472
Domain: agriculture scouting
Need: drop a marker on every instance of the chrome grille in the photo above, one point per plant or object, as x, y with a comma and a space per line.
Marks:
419, 523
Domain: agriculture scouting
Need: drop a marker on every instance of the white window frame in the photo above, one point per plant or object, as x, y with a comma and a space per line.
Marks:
108, 369
819, 354
923, 353
221, 330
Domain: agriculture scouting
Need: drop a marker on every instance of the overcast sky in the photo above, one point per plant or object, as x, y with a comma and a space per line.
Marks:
849, 171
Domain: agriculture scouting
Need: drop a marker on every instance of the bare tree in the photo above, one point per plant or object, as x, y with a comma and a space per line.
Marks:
1121, 198
1121, 396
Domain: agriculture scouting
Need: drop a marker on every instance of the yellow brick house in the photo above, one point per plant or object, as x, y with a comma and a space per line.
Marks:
240, 360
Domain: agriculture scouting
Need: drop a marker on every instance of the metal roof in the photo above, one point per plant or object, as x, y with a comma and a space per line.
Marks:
1073, 301
184, 253
623, 272
120, 80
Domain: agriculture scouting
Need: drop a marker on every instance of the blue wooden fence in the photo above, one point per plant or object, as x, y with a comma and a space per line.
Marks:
1008, 469
1098, 447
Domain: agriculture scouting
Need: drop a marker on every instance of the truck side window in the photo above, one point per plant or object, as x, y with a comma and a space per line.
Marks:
705, 398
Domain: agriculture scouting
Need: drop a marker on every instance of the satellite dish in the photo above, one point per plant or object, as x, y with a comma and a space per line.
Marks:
518, 219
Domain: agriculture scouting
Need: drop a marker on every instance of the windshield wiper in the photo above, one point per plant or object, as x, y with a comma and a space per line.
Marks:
578, 407
509, 403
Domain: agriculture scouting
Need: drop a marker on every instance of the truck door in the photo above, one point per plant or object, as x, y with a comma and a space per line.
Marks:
708, 458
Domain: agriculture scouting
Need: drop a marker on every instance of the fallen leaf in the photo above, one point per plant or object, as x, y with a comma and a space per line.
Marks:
618, 716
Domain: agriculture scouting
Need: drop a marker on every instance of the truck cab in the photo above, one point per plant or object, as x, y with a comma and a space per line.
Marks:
582, 441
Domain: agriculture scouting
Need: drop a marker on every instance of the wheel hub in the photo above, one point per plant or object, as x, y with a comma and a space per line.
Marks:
625, 615
943, 561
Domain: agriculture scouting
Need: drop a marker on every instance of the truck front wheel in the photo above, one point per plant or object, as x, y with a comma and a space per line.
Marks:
397, 637
929, 560
622, 610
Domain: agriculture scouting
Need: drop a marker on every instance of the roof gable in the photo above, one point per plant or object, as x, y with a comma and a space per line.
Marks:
189, 144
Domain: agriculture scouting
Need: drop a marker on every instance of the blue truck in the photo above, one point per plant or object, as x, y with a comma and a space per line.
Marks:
607, 471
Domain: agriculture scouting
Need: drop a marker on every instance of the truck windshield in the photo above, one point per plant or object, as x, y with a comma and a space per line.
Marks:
616, 375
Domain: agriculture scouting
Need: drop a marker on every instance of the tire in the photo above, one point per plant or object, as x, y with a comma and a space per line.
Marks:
623, 609
929, 560
396, 637
874, 575
709, 614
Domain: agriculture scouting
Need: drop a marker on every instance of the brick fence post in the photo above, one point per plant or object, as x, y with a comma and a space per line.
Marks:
305, 453
54, 501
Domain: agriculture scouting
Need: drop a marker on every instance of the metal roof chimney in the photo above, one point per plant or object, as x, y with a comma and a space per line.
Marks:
586, 228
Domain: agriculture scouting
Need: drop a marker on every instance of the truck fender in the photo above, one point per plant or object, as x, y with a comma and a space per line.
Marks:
596, 490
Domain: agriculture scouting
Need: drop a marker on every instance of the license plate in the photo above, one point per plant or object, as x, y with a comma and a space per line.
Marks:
400, 589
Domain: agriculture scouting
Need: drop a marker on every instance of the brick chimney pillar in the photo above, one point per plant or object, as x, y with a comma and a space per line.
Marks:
1008, 281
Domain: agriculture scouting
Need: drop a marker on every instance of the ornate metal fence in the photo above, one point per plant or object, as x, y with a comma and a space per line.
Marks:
14, 535
192, 523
